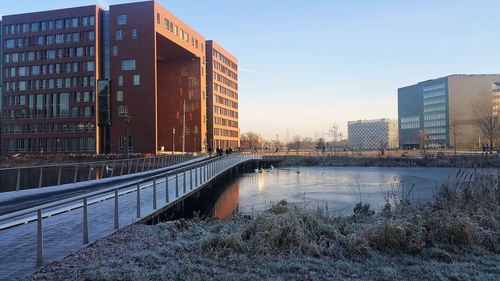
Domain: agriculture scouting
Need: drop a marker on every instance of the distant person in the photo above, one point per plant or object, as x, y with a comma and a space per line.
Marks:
210, 150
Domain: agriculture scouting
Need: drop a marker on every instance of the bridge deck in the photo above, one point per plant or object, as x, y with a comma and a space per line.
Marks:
63, 230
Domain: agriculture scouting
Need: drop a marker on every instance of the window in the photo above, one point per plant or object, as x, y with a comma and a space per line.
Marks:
10, 43
76, 37
34, 27
59, 24
119, 96
137, 80
115, 50
120, 80
79, 52
90, 66
74, 22
134, 33
91, 20
91, 35
84, 21
158, 18
59, 38
122, 19
128, 64
119, 34
123, 110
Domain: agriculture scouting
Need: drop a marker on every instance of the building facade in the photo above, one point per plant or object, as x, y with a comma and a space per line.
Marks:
372, 134
440, 112
222, 97
86, 80
51, 65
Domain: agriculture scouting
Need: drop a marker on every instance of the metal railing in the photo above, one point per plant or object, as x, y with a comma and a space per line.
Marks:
200, 173
21, 178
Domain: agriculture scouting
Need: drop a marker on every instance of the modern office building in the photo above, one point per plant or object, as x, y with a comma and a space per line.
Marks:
51, 65
440, 112
131, 79
222, 97
372, 134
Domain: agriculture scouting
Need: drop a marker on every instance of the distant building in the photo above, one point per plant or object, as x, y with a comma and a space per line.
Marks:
432, 113
372, 134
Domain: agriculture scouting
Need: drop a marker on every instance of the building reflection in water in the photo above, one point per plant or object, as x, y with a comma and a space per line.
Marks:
227, 203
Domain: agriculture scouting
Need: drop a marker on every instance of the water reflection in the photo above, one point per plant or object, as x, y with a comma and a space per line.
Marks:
227, 202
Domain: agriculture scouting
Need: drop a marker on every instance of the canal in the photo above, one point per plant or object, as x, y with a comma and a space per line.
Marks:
337, 189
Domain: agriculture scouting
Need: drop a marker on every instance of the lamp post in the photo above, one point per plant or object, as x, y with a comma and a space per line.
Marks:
127, 121
173, 140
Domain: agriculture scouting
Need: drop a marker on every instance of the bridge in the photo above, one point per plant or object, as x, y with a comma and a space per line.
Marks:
45, 229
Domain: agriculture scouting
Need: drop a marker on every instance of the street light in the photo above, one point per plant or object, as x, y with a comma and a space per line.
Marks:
173, 140
127, 121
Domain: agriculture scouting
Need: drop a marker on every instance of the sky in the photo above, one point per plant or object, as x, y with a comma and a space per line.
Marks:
305, 65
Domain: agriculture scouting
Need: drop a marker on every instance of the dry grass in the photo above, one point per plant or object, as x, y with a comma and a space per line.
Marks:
454, 238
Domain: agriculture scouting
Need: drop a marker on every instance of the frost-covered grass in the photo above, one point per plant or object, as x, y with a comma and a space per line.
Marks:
454, 238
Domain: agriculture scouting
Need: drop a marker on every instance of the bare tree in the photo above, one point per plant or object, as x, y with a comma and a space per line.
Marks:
251, 140
487, 118
296, 143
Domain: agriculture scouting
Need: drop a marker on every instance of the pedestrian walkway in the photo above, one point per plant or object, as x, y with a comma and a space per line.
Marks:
64, 230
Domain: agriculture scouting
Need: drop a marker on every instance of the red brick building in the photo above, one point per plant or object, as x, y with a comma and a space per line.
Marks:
222, 89
50, 67
88, 80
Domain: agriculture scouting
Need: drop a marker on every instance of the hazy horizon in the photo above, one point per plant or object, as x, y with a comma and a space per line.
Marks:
306, 65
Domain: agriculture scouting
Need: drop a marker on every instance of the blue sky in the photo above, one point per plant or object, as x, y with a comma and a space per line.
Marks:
307, 64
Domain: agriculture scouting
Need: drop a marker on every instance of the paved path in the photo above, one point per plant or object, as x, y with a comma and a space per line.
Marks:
63, 233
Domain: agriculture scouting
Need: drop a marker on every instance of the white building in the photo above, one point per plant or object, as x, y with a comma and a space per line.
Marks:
373, 134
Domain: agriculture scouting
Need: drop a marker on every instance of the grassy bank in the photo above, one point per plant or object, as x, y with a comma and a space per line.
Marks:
454, 238
477, 161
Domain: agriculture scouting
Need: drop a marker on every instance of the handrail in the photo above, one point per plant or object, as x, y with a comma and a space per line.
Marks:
52, 174
95, 193
92, 162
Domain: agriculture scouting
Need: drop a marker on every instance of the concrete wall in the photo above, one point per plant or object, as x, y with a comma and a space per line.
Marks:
464, 92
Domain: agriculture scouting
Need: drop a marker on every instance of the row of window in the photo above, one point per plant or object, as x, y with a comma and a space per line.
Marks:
410, 119
436, 131
179, 32
29, 128
226, 112
436, 116
433, 101
44, 69
414, 125
438, 123
437, 137
13, 100
59, 83
225, 91
136, 80
225, 133
434, 87
225, 70
50, 54
225, 60
434, 94
58, 110
85, 144
119, 34
48, 40
37, 26
434, 108
226, 102
225, 81
225, 122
